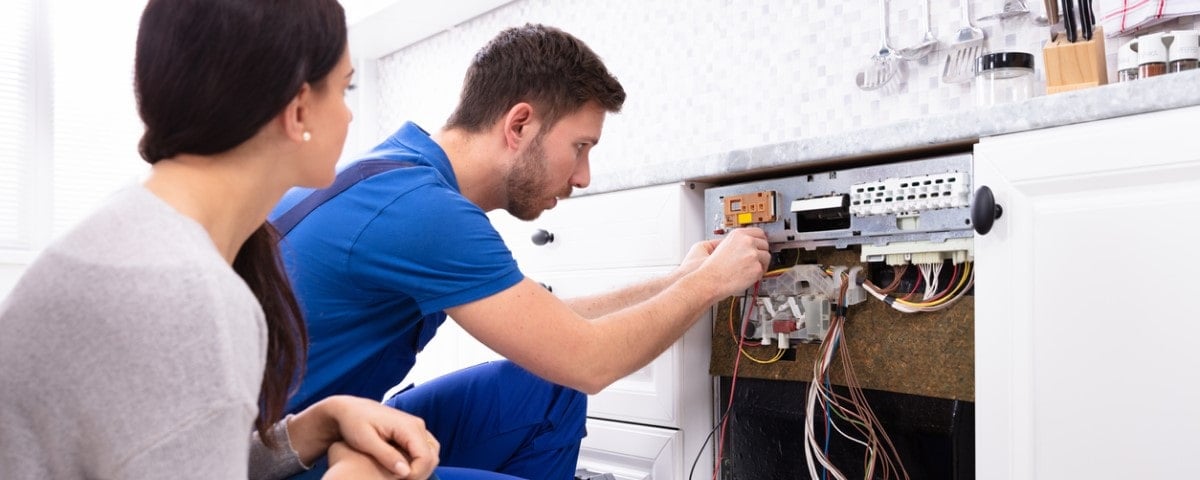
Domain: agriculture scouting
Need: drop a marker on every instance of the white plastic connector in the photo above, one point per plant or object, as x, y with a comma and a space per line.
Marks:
816, 316
957, 250
910, 194
791, 304
854, 292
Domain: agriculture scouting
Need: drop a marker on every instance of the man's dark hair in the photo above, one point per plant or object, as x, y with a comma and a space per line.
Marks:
543, 66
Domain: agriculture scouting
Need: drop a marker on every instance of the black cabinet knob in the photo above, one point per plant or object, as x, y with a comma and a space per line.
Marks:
984, 210
542, 237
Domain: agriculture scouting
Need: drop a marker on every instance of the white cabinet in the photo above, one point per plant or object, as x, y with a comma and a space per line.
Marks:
631, 452
1085, 325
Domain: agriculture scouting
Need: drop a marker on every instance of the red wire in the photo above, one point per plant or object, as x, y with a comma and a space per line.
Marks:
920, 276
732, 386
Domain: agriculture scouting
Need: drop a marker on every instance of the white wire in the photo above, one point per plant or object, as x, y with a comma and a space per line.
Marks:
910, 309
848, 437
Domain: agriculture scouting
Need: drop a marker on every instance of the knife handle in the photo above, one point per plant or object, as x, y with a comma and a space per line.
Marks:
1069, 20
1086, 18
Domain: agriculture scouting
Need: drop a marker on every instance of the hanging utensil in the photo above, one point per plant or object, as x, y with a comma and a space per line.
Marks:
927, 44
1012, 8
881, 67
967, 46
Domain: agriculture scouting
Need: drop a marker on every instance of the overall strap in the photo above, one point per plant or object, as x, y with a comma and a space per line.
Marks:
358, 172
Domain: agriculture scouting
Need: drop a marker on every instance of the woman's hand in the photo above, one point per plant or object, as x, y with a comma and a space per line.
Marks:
346, 463
395, 440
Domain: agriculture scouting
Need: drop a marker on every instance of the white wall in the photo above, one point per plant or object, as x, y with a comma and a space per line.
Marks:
709, 76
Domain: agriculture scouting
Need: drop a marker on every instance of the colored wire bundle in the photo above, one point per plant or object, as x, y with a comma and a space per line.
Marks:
932, 300
881, 459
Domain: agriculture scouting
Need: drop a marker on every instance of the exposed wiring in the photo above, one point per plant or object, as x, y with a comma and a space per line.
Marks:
939, 301
741, 344
881, 460
692, 471
732, 387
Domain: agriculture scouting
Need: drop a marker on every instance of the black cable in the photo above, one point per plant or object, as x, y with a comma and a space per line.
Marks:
712, 432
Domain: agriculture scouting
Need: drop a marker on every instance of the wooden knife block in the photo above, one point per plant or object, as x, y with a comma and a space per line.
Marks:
1071, 66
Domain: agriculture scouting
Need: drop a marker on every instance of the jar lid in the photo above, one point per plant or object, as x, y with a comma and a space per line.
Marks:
992, 61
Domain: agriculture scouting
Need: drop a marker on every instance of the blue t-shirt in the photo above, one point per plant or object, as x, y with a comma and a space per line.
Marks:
375, 266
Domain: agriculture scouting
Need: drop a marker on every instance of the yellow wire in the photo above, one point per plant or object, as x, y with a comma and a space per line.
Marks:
779, 271
774, 359
961, 281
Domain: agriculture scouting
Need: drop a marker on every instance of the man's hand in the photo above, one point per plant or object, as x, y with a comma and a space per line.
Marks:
696, 256
739, 260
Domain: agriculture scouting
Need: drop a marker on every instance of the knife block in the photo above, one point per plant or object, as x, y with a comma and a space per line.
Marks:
1071, 66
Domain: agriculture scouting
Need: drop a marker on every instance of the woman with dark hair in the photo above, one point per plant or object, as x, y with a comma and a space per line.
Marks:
150, 340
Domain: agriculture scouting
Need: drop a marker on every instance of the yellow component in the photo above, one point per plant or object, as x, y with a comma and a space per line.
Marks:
744, 218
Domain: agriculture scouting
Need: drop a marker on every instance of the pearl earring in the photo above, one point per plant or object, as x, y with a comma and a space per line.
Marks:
306, 136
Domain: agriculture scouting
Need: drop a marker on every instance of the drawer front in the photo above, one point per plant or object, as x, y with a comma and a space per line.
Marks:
633, 228
631, 452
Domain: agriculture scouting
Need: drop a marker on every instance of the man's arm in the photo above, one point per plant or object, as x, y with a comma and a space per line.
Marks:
595, 306
532, 327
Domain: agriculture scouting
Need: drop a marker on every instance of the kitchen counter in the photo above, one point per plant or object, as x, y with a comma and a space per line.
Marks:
961, 128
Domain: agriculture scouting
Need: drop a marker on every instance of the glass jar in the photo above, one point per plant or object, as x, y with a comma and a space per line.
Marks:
1152, 55
1127, 62
1003, 77
1184, 52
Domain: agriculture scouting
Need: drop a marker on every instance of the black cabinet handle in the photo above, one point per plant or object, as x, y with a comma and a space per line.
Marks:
984, 210
542, 237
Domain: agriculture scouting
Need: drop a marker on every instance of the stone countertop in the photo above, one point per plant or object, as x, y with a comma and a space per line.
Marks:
964, 127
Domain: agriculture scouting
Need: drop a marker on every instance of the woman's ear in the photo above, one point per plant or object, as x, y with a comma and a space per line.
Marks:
519, 125
295, 115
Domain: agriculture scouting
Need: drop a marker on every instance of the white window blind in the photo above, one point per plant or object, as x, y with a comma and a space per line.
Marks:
16, 120
96, 127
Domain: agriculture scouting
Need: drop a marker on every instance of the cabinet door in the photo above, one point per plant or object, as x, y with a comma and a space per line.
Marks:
644, 227
631, 452
1085, 328
656, 394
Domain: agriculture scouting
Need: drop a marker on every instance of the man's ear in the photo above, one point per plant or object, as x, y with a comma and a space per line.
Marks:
294, 117
519, 125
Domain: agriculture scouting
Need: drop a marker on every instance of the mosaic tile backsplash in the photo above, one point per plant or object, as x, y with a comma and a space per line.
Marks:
711, 76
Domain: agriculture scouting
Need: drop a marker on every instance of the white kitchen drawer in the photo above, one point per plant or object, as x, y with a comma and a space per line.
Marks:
631, 452
633, 228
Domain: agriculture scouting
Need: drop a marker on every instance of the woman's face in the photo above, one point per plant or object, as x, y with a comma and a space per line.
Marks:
328, 123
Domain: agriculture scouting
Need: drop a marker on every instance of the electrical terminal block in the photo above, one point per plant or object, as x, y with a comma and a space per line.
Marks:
910, 194
957, 250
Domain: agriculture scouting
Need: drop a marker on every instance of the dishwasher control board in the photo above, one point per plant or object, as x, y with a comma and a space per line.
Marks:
924, 200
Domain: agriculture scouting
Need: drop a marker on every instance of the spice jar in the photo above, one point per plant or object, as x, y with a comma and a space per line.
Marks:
1003, 77
1127, 62
1152, 55
1184, 52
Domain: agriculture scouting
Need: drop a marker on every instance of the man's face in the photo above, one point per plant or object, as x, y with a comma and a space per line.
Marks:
554, 163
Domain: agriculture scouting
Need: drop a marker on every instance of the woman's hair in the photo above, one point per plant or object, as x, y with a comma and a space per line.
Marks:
208, 75
544, 66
